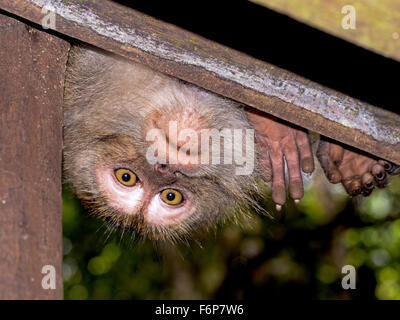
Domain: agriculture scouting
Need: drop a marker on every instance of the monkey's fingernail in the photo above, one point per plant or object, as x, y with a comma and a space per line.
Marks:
369, 185
278, 207
379, 172
355, 188
334, 177
296, 190
388, 166
308, 165
296, 201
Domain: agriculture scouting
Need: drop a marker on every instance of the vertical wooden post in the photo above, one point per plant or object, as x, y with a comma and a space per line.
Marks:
32, 67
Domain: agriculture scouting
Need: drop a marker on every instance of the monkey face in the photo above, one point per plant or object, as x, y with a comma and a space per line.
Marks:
156, 194
117, 183
113, 111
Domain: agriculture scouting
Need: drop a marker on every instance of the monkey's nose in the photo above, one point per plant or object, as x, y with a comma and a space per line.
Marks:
166, 171
161, 168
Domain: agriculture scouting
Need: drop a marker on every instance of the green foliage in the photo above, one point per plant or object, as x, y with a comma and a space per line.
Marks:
299, 252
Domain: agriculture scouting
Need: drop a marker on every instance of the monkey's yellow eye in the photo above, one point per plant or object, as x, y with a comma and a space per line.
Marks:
126, 177
171, 197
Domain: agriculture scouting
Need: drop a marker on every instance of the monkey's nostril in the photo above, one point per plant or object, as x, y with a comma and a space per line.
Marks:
161, 167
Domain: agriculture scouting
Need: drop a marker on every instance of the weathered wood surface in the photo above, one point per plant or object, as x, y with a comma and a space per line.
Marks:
377, 21
32, 66
207, 64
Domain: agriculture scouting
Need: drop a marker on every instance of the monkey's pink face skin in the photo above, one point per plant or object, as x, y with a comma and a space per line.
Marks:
161, 214
139, 197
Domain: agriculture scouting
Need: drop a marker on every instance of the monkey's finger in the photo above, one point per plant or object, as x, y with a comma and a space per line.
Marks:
379, 174
295, 180
278, 179
304, 147
353, 187
367, 181
330, 169
336, 153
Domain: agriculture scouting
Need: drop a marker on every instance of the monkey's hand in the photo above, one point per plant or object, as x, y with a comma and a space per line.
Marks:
358, 173
283, 141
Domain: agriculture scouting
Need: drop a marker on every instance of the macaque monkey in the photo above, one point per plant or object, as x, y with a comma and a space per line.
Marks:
132, 150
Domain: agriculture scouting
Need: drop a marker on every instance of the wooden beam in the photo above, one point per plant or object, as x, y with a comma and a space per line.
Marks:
377, 21
179, 53
32, 66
